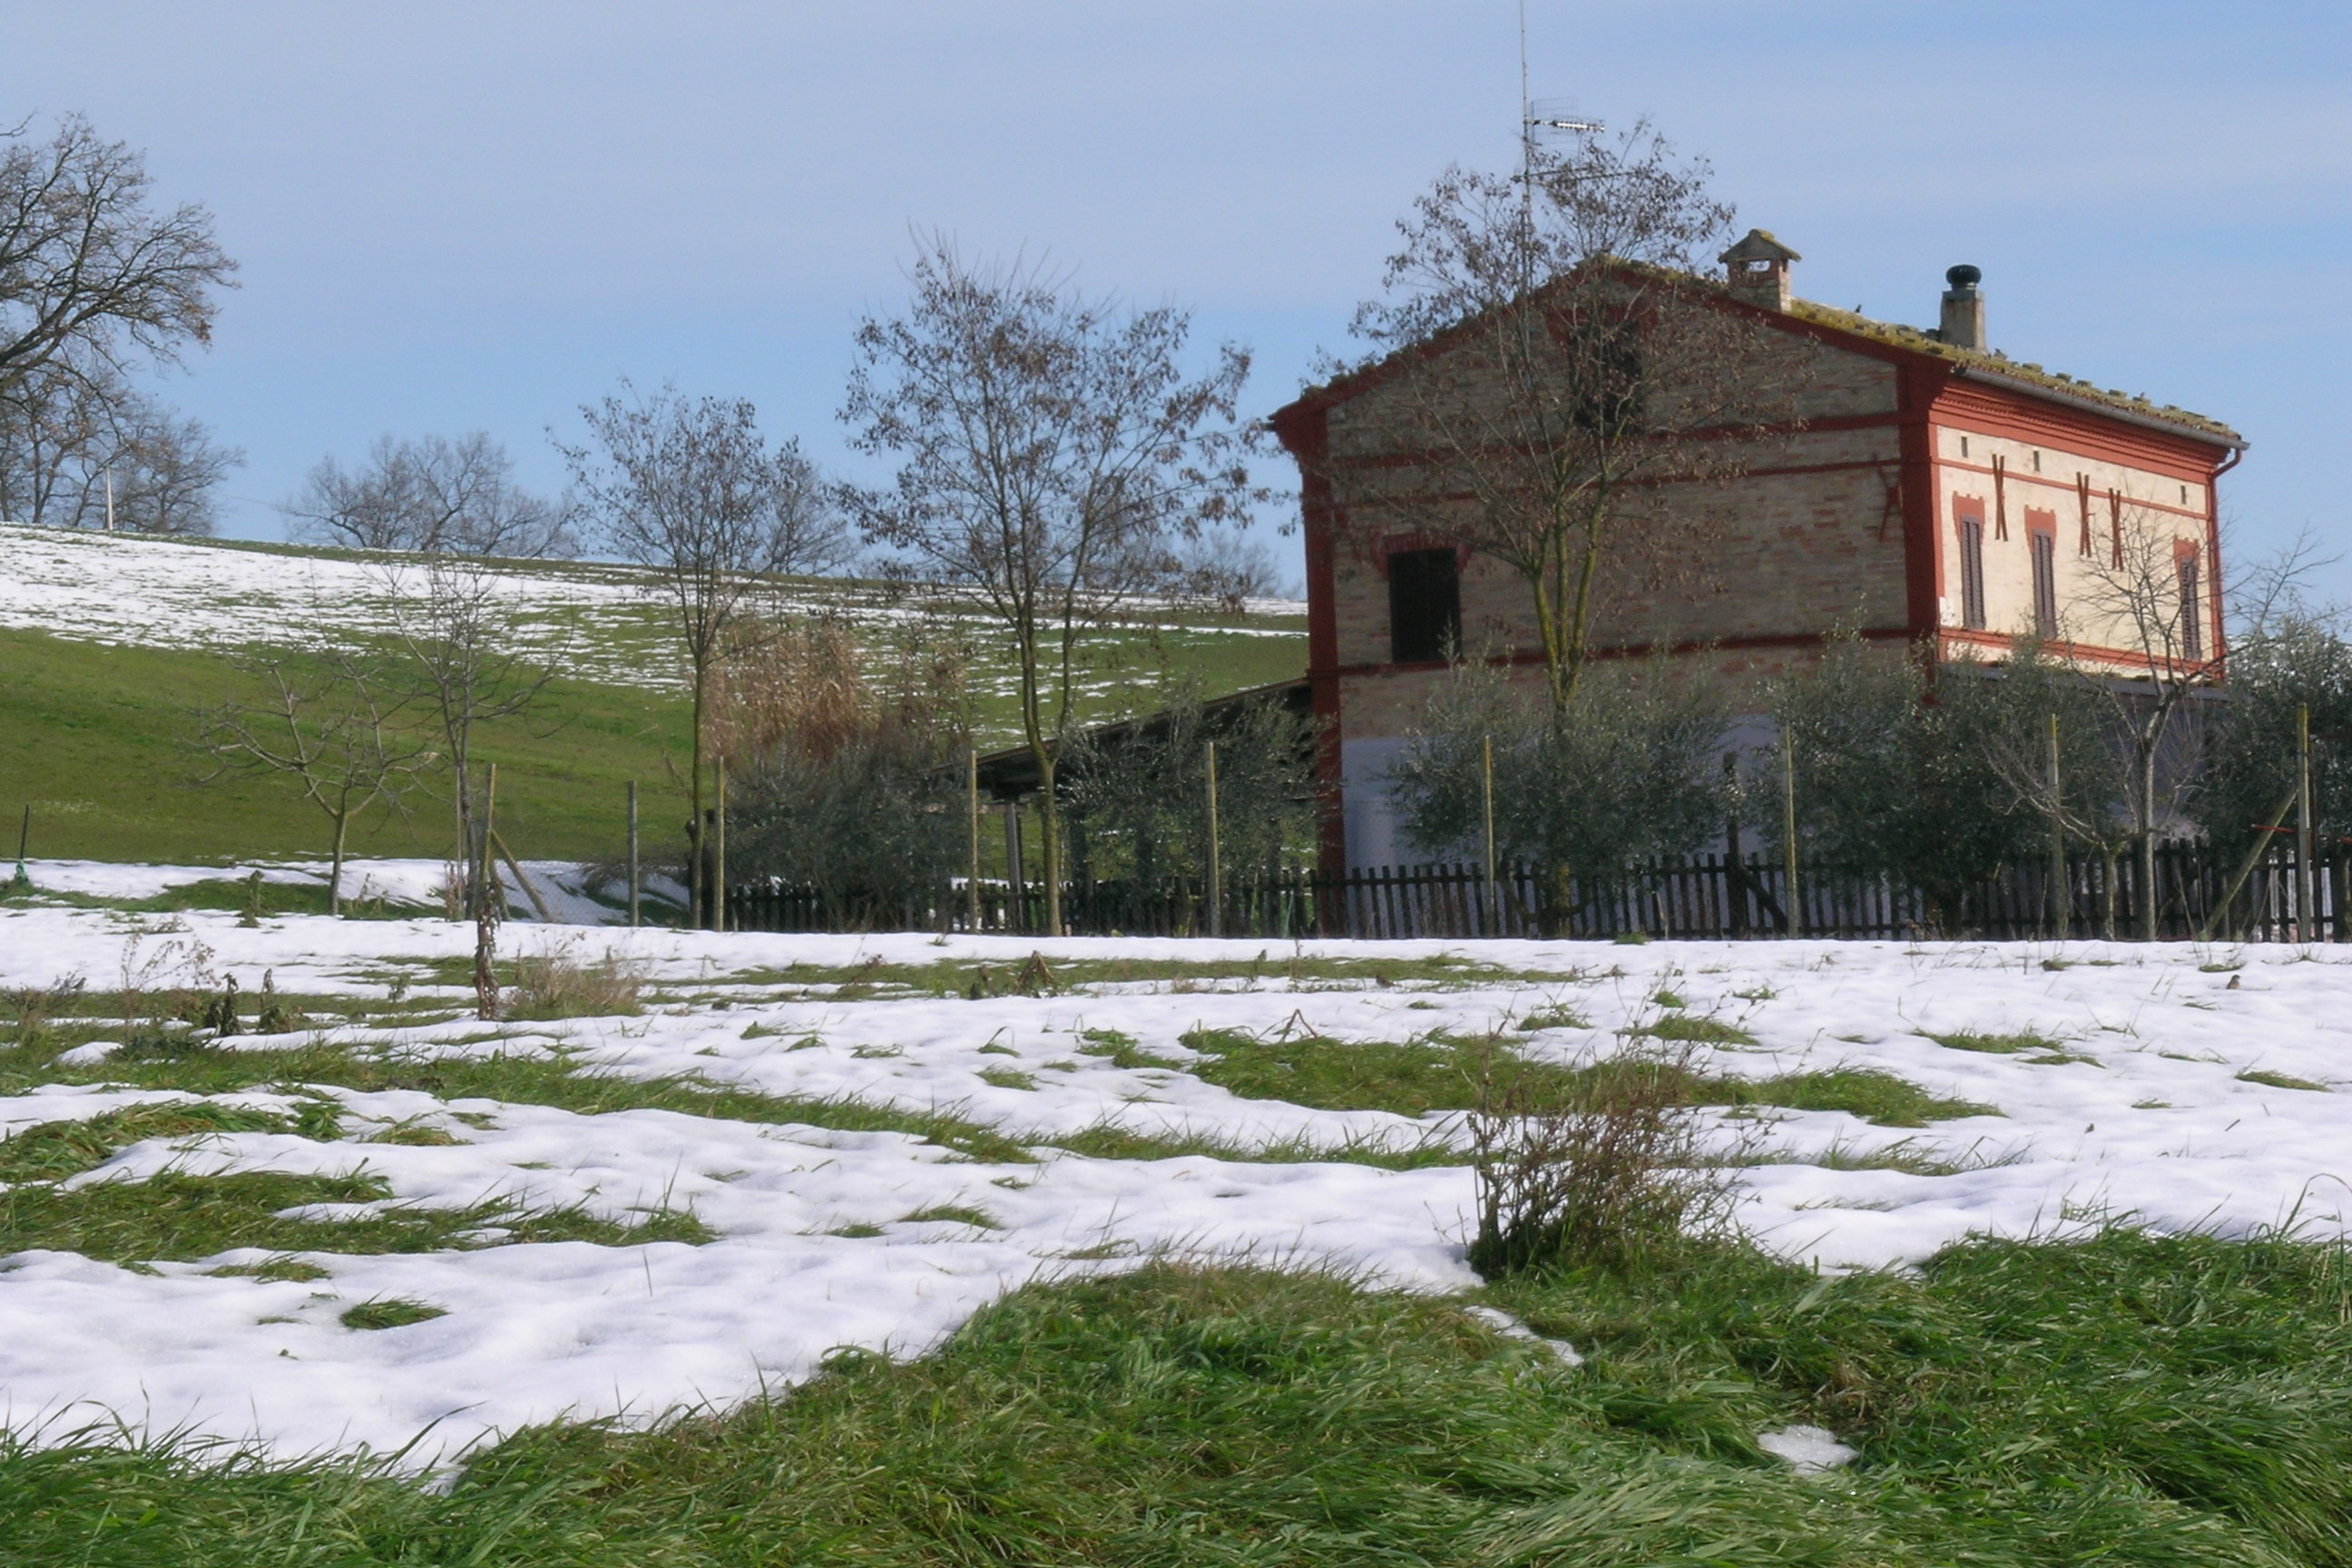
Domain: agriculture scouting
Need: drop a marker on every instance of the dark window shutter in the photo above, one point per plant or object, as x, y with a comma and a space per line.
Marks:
2045, 585
1425, 606
1972, 599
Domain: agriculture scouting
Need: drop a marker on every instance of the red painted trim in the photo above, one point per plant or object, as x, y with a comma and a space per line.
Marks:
1306, 433
1984, 410
2011, 476
2040, 521
1385, 548
1923, 554
2092, 653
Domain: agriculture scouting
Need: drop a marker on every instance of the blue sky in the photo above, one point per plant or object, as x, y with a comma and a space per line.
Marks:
463, 215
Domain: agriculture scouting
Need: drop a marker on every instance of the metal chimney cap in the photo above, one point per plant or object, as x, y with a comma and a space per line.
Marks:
1963, 276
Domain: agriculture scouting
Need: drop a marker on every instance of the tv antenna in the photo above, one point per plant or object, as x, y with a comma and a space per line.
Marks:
1540, 120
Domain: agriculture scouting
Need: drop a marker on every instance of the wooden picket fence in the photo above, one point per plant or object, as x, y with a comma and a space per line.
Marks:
1711, 897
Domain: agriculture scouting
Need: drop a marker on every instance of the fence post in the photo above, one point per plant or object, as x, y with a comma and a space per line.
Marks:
1216, 864
633, 854
24, 836
1795, 911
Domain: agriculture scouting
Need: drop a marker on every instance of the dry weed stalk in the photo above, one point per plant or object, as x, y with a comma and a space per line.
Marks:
1608, 1164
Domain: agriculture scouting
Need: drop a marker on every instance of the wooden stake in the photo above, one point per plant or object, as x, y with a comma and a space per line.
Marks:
971, 806
633, 854
1216, 863
718, 853
486, 979
24, 837
1493, 920
2059, 904
1795, 912
2306, 911
539, 905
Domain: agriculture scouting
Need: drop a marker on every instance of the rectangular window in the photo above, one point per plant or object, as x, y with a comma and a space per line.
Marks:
2045, 583
1972, 603
2193, 611
1425, 606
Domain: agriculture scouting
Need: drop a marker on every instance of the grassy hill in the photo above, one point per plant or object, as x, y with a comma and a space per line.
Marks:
108, 646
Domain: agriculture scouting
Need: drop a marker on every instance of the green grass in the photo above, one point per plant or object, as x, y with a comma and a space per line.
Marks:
1701, 1031
182, 1218
2126, 1401
392, 1314
1864, 1092
1998, 1044
52, 1150
1441, 1072
2269, 1079
525, 1080
94, 738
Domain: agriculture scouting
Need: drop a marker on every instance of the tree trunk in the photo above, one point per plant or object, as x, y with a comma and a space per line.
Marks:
693, 877
335, 867
2147, 847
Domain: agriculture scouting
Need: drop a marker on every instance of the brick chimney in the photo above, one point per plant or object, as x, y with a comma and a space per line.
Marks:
1963, 325
1757, 268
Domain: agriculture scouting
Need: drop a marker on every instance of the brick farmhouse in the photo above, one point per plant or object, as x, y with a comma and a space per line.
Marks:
1928, 493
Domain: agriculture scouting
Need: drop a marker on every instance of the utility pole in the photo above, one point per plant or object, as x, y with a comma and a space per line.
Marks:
109, 499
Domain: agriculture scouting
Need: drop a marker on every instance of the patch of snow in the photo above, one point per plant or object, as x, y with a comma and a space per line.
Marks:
1810, 1450
2154, 1123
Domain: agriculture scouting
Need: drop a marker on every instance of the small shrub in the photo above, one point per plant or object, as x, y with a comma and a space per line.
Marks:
556, 984
1601, 1166
34, 1005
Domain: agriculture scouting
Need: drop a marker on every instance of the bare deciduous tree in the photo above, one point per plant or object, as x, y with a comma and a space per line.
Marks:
78, 448
690, 487
431, 495
92, 272
2152, 593
332, 729
1575, 391
464, 666
1053, 451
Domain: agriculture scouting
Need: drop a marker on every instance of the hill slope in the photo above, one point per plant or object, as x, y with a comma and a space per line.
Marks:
108, 644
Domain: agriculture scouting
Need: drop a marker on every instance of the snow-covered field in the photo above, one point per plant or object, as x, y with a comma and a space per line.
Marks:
2143, 1110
